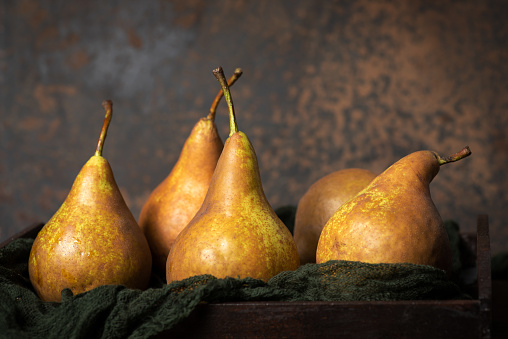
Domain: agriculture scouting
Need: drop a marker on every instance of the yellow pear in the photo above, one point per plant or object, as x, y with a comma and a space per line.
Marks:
392, 220
174, 202
320, 202
93, 238
235, 233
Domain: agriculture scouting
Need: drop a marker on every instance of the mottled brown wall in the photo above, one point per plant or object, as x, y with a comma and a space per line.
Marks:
327, 85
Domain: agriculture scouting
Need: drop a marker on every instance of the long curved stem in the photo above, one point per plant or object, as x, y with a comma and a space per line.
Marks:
108, 107
237, 74
465, 152
219, 74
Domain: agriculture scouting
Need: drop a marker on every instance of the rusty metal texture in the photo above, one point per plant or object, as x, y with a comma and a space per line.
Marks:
327, 85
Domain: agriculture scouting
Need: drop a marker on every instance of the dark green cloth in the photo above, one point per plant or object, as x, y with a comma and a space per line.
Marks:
119, 312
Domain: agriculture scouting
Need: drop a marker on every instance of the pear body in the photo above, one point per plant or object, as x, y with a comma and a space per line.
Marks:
175, 201
320, 202
92, 240
392, 220
235, 233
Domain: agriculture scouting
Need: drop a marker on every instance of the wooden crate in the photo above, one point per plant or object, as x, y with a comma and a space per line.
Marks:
360, 319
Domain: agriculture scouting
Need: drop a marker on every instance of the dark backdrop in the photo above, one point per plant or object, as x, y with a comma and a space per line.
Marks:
327, 85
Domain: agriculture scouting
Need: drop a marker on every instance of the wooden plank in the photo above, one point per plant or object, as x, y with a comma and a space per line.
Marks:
395, 319
483, 262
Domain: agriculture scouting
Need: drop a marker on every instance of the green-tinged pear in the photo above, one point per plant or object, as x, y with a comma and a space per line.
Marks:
175, 201
93, 238
320, 202
235, 233
392, 220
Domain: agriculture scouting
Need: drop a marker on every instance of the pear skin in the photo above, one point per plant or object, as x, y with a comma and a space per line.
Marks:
235, 233
320, 202
392, 220
92, 240
175, 201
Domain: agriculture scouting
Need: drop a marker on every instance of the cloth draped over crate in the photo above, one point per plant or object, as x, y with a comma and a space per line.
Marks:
119, 312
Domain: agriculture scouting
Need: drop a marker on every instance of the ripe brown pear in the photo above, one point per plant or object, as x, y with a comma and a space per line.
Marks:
392, 220
320, 202
93, 238
174, 202
235, 233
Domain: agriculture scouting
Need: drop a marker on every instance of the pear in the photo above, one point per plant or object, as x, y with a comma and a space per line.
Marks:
393, 219
320, 202
235, 233
175, 201
93, 238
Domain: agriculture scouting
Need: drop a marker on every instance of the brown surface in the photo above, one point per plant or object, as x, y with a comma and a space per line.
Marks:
326, 86
380, 319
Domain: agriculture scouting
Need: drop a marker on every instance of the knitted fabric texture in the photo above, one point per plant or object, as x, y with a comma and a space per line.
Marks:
120, 312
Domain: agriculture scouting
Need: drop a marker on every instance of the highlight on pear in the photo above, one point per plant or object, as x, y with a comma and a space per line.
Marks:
175, 201
93, 238
235, 233
393, 219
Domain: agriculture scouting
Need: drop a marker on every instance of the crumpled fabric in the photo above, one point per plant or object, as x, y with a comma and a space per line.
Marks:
120, 312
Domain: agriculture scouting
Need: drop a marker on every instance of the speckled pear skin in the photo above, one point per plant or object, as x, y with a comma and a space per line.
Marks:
235, 233
320, 202
175, 201
92, 240
393, 220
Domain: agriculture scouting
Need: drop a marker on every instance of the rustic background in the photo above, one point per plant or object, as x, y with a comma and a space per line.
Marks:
327, 85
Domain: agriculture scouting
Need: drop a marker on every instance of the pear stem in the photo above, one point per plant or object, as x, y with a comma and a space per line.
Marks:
237, 74
465, 152
108, 107
219, 74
